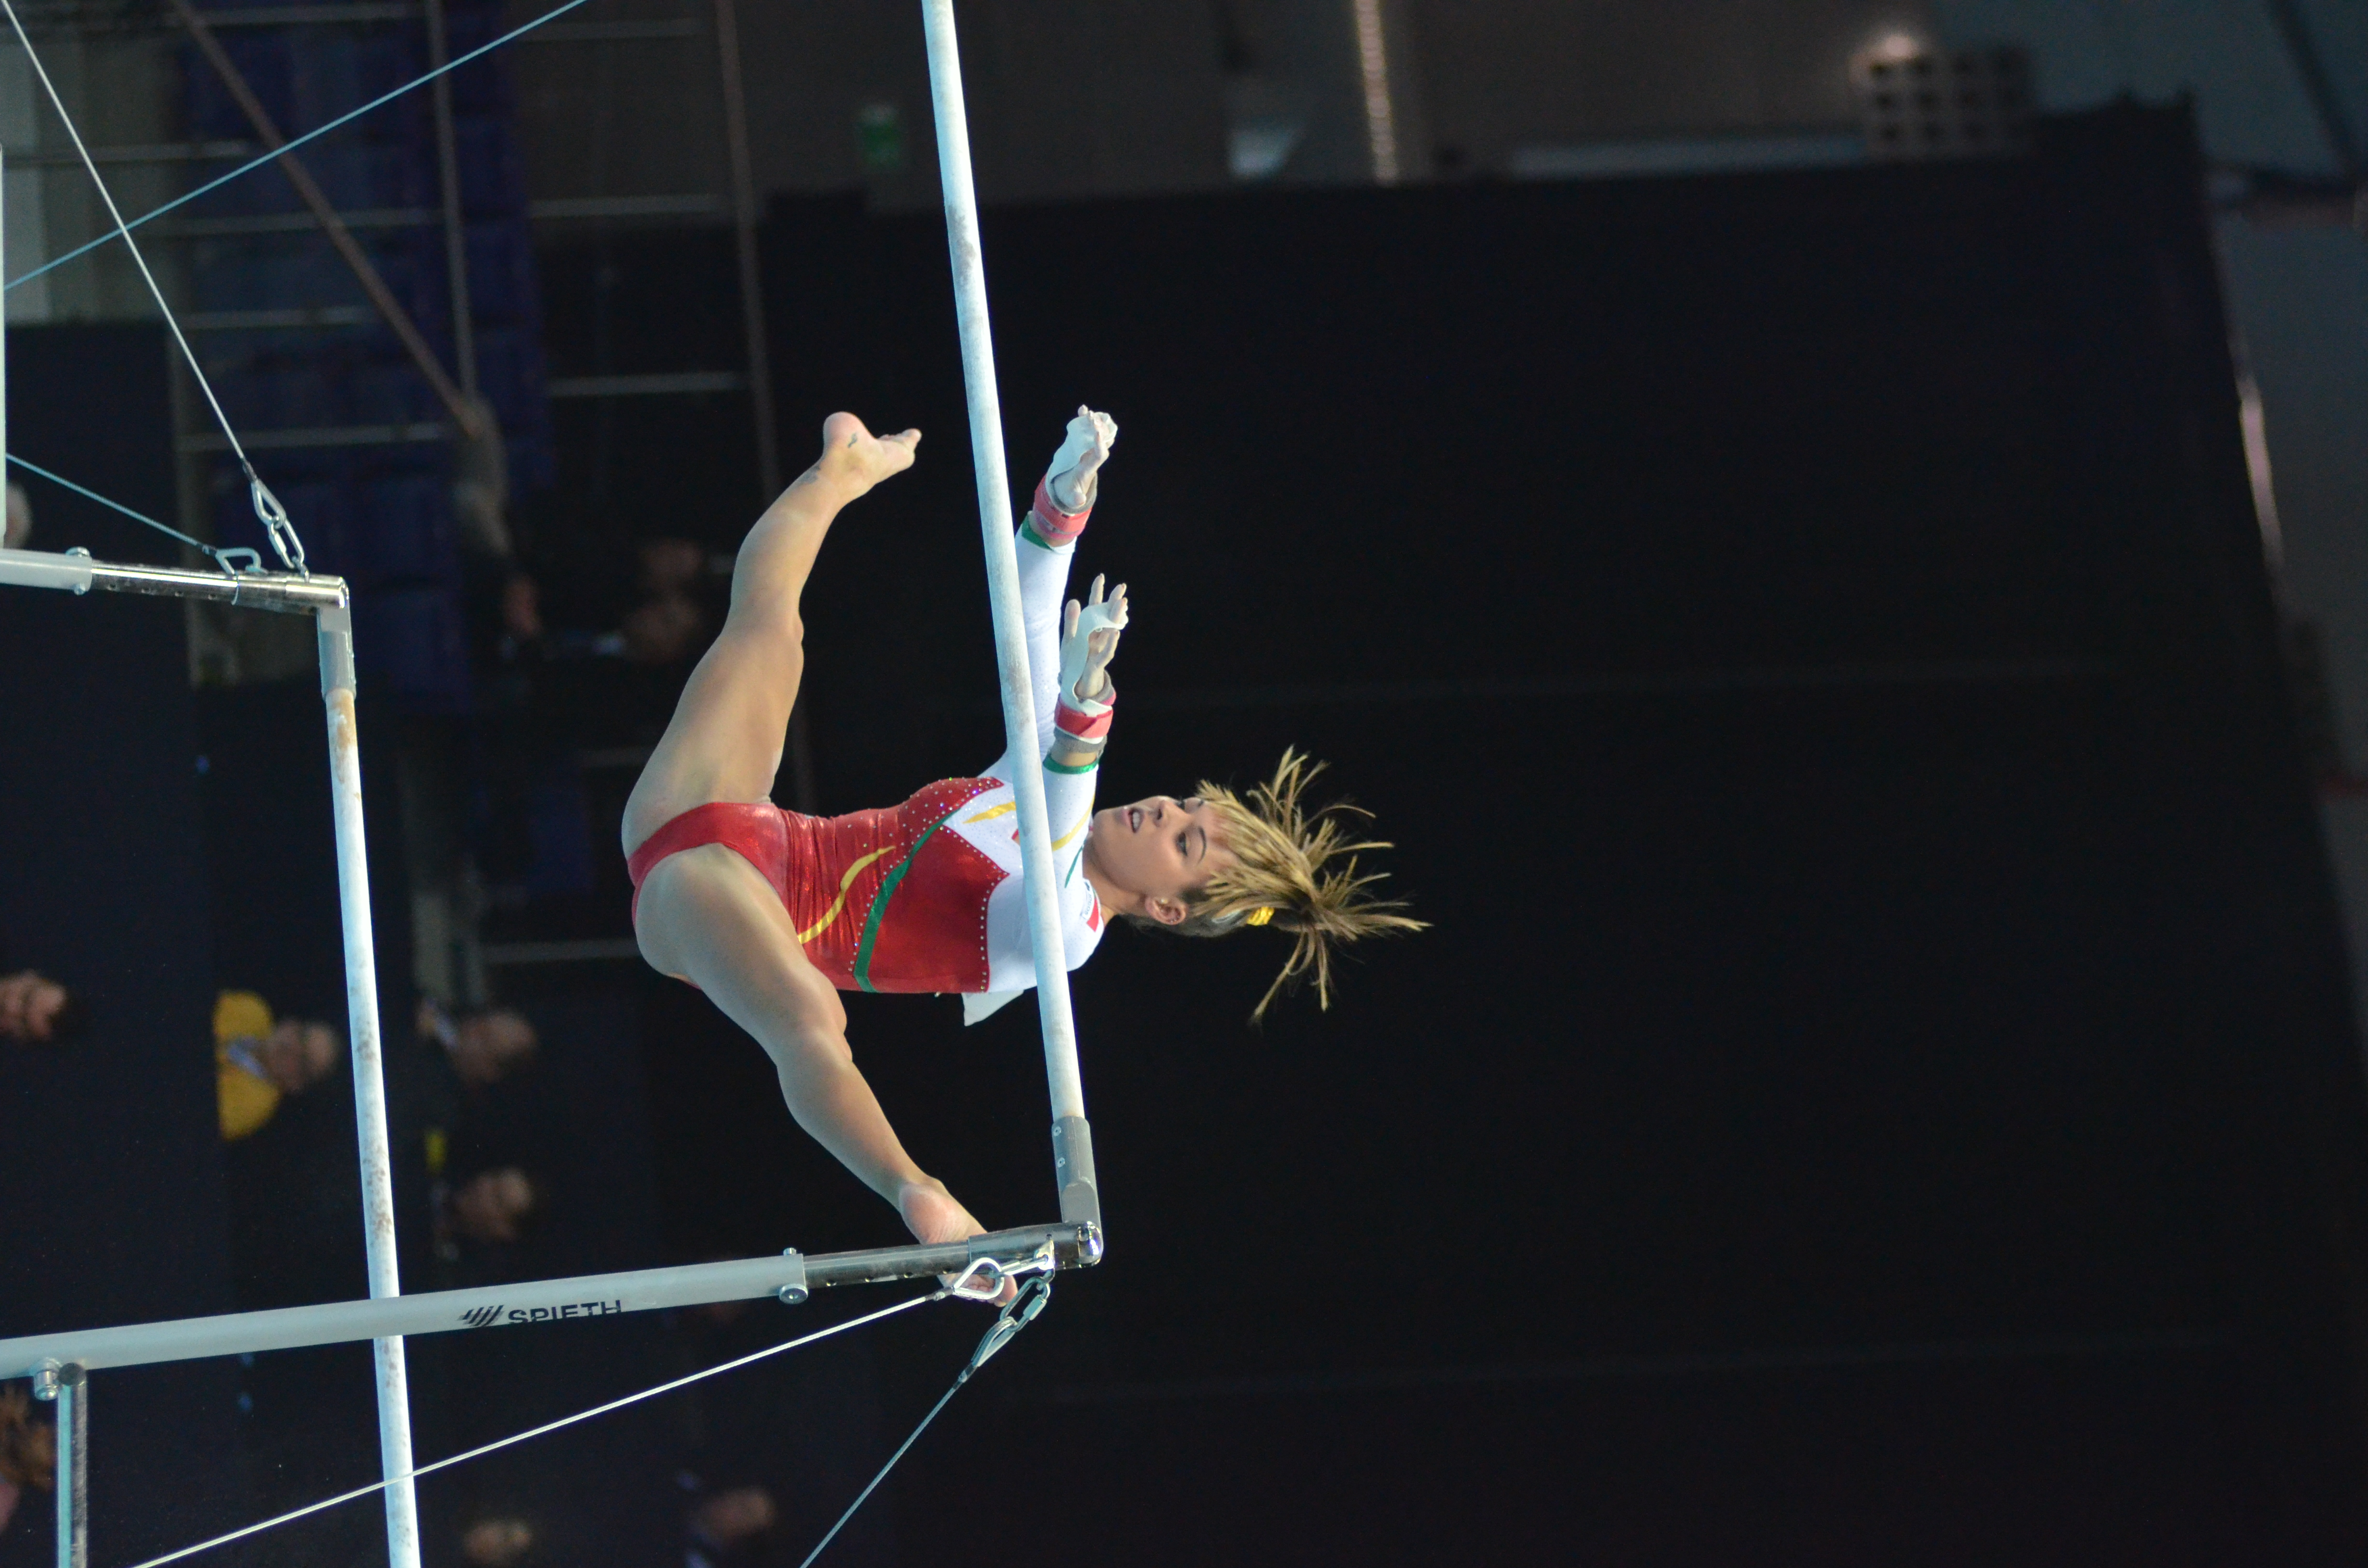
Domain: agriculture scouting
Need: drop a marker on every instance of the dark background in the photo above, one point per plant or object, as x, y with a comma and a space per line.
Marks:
1880, 1086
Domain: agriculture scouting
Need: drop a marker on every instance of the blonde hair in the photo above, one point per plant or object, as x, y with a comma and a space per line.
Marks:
1279, 877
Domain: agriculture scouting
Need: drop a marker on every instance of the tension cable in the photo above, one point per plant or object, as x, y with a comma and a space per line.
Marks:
983, 1280
445, 1463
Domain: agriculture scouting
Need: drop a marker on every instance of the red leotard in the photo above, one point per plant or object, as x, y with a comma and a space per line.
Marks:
883, 900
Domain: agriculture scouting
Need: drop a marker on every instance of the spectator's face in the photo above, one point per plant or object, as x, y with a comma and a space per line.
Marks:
671, 566
496, 1543
728, 1519
298, 1054
30, 1005
664, 632
490, 1207
486, 1047
522, 609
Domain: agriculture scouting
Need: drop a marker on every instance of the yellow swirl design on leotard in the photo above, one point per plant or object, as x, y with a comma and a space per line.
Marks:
992, 813
840, 903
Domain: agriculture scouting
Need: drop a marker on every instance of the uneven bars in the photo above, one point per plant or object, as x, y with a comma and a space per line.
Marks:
791, 1278
1072, 1146
326, 600
338, 692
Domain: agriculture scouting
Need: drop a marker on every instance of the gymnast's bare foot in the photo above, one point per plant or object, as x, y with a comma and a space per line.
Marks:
854, 459
934, 1218
932, 1215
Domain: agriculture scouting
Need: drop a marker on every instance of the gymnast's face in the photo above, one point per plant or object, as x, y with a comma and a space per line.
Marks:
1148, 856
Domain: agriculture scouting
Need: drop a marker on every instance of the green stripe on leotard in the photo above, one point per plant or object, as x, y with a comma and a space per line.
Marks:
862, 966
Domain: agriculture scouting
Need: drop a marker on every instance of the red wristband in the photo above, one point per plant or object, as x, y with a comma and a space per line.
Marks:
1055, 527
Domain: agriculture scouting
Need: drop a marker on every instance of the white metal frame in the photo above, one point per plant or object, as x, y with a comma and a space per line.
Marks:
59, 1362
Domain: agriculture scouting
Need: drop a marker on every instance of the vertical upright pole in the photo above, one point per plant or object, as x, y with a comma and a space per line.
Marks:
4, 342
72, 1477
1072, 1140
336, 627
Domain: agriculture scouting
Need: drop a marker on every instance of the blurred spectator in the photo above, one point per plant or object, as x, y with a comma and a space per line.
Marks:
36, 1009
521, 615
500, 1542
19, 526
671, 624
492, 1208
483, 1045
722, 1525
29, 1452
665, 631
464, 1123
481, 485
260, 1061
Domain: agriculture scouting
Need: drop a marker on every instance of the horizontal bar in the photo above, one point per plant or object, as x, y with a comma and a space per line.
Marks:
389, 1317
250, 590
613, 32
677, 383
1075, 1245
295, 223
265, 320
626, 207
318, 436
591, 950
534, 1301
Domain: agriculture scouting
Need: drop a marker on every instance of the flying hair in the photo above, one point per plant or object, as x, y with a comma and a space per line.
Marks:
1283, 876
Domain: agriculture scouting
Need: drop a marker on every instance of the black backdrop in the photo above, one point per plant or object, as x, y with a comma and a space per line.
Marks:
1881, 1086
115, 1208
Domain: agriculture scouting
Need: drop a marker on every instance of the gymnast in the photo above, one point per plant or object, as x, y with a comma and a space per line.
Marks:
772, 914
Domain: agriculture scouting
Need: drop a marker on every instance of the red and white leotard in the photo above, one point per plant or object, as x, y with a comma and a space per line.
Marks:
927, 895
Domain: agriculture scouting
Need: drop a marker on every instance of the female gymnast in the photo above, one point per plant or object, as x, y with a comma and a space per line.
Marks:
772, 914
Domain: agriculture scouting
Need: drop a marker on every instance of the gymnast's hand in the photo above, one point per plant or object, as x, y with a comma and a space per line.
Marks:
1089, 640
1071, 476
854, 459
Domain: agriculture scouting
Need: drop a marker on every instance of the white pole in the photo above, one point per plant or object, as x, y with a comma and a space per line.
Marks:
337, 626
4, 337
792, 1277
528, 1303
71, 1474
1073, 1150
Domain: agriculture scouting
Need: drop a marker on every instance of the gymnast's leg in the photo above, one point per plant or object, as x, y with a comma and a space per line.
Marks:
705, 914
724, 742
